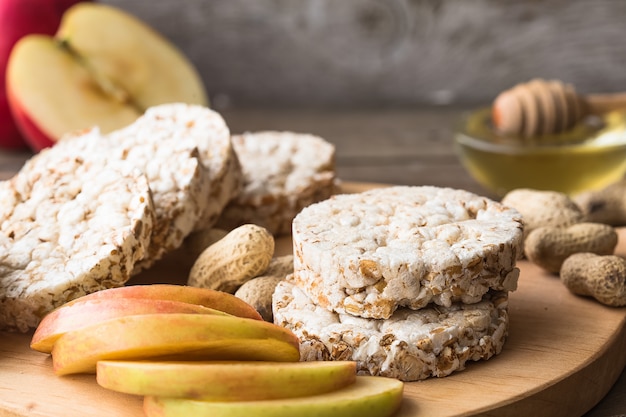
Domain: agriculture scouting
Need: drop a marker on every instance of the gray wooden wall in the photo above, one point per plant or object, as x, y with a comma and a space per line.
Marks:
390, 52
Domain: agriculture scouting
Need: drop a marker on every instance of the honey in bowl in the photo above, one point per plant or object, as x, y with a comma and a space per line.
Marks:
589, 156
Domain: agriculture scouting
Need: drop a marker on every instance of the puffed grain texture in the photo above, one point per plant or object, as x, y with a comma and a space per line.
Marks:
68, 227
169, 159
410, 345
189, 195
283, 172
209, 133
370, 253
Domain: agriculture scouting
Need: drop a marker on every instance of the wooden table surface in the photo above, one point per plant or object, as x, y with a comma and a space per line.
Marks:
411, 146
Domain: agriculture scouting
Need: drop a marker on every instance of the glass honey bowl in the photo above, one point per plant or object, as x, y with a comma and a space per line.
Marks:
589, 156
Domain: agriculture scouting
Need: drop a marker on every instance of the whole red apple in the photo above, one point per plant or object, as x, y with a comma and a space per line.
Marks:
17, 19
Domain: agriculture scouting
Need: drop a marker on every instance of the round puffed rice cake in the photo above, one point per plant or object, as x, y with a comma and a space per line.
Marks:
411, 345
367, 254
186, 153
69, 226
207, 130
178, 182
283, 172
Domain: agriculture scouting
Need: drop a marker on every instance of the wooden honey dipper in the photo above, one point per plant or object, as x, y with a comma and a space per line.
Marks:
541, 107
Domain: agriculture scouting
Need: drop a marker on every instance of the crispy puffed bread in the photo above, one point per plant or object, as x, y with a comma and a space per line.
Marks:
178, 181
282, 173
185, 151
411, 345
208, 131
367, 254
69, 226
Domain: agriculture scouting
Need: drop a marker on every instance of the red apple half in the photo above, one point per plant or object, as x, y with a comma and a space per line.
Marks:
19, 18
103, 68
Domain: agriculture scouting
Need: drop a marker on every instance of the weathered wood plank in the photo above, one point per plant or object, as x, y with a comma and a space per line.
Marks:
390, 52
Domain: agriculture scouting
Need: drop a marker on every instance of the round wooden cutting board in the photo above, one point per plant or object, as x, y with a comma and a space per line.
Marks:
563, 354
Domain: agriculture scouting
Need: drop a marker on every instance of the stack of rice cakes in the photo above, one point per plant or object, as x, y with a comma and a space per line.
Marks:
409, 282
91, 211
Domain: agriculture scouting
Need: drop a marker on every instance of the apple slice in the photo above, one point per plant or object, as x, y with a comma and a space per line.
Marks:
103, 68
226, 381
173, 337
217, 300
75, 316
369, 396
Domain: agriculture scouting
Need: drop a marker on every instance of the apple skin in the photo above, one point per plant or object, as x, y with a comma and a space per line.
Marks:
103, 67
226, 381
217, 300
51, 95
176, 336
37, 139
369, 396
19, 18
84, 313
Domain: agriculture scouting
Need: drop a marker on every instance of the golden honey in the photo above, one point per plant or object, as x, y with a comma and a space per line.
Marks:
592, 155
